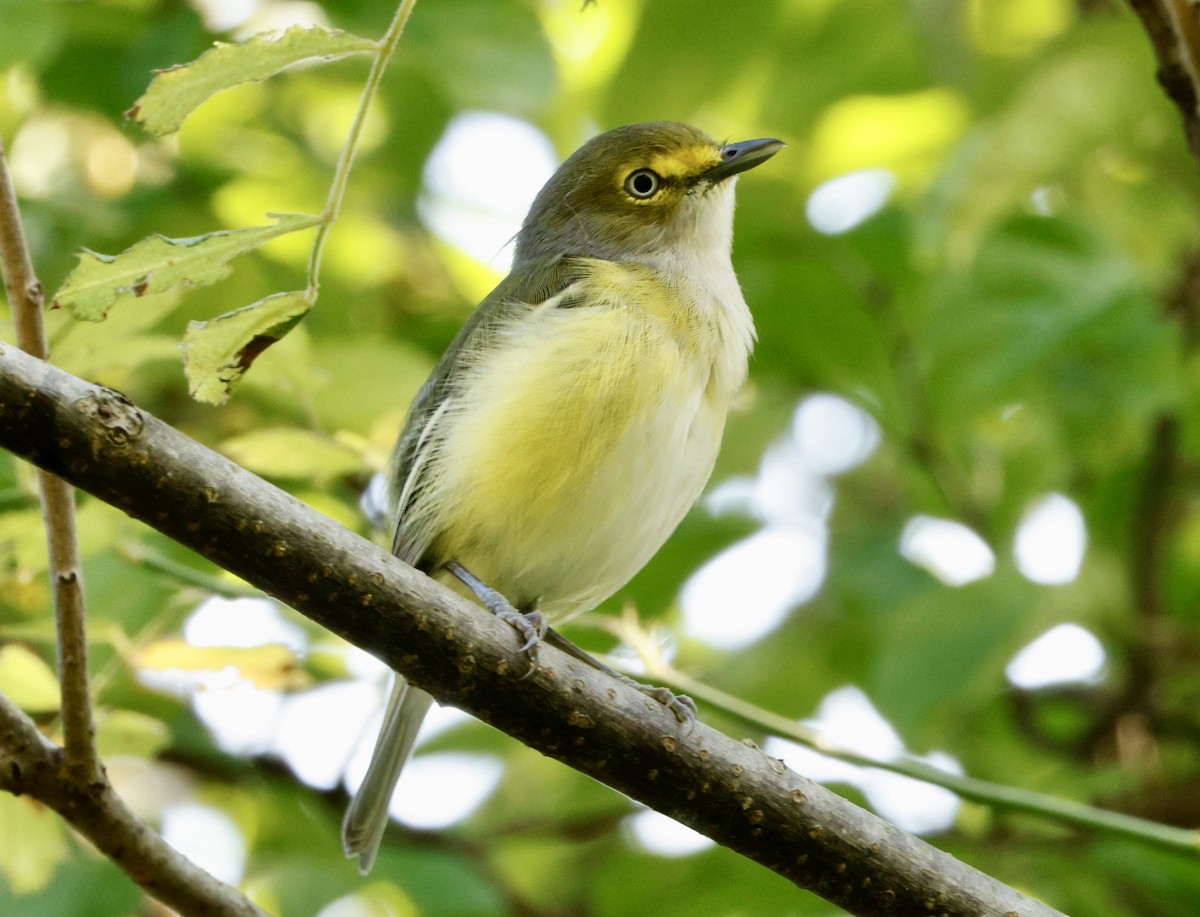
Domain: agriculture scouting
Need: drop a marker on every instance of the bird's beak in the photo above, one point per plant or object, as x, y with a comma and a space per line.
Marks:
738, 157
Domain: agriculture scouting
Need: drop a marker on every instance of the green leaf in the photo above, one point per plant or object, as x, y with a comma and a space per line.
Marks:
126, 732
217, 353
1048, 309
177, 91
287, 452
31, 843
157, 264
502, 60
27, 680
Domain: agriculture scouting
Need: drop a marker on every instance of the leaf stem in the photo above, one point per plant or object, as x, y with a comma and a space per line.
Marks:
185, 574
26, 298
341, 176
980, 791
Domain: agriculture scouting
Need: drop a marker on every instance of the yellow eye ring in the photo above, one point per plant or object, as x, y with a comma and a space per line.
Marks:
643, 184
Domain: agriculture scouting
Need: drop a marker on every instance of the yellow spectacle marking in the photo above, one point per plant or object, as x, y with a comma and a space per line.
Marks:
689, 160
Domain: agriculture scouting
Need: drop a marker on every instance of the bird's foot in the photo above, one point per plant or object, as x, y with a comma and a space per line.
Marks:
682, 706
531, 626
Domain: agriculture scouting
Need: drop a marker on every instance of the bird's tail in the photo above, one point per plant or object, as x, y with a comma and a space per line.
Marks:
367, 816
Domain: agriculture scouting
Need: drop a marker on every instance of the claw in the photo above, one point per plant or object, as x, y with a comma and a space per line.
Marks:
681, 705
531, 625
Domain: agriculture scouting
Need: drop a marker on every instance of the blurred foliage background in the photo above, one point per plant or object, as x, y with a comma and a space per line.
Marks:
983, 237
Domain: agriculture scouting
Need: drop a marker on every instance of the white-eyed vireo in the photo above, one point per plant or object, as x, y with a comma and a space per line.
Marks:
577, 415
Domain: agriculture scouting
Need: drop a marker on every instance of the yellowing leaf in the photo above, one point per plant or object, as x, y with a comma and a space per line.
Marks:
31, 843
272, 666
22, 542
288, 452
156, 264
908, 134
27, 680
217, 353
125, 732
176, 92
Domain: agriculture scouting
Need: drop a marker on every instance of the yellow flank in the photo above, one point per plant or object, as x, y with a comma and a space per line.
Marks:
588, 433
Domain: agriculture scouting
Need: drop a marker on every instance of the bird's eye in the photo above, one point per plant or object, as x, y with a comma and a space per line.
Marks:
642, 184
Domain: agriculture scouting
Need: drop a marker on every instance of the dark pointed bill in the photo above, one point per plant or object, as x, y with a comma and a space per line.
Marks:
738, 157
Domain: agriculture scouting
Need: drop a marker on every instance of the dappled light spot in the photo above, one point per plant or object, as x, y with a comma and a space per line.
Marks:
1051, 540
241, 622
1065, 654
840, 204
223, 15
208, 837
40, 156
949, 550
905, 133
772, 571
745, 592
480, 180
373, 900
317, 730
1017, 27
658, 834
439, 790
240, 716
848, 719
833, 434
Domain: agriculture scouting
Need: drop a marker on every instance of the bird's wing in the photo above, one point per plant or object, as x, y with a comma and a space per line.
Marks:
518, 294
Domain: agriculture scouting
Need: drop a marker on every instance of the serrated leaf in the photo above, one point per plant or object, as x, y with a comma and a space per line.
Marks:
217, 353
156, 264
176, 92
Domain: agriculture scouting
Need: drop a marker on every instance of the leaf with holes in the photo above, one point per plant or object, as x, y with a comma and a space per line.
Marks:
156, 264
176, 92
217, 353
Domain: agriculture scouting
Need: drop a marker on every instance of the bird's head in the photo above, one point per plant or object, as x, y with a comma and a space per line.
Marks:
643, 191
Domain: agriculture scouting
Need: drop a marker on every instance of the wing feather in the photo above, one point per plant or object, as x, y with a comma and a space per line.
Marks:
417, 450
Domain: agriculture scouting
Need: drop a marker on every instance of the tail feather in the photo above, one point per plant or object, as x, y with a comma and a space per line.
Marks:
367, 816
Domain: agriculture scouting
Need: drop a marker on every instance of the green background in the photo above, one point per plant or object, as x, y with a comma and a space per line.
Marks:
1020, 319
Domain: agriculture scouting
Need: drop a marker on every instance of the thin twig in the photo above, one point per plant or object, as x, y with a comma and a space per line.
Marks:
1174, 40
981, 791
25, 297
31, 765
137, 553
341, 175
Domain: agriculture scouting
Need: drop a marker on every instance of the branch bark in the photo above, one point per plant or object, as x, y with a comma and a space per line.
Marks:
1175, 35
98, 440
26, 298
30, 764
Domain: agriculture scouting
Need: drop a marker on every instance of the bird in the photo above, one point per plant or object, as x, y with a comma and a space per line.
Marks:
577, 415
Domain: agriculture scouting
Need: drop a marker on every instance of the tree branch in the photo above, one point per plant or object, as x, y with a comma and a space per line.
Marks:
26, 299
1175, 36
441, 642
30, 764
